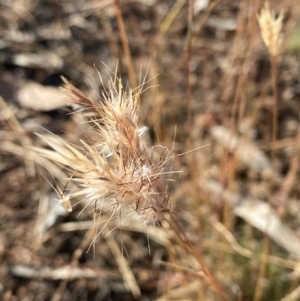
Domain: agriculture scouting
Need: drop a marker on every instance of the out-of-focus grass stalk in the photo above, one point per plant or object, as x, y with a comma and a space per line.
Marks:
126, 49
187, 49
270, 27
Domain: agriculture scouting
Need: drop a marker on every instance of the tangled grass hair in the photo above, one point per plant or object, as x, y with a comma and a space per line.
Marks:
115, 168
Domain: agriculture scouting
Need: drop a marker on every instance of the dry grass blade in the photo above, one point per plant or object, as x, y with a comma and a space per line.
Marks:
261, 216
17, 150
293, 296
244, 148
62, 273
126, 272
14, 123
181, 291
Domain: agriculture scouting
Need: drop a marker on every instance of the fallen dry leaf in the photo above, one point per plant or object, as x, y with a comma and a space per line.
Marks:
40, 98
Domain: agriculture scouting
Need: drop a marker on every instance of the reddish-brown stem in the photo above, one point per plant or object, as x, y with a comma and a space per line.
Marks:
125, 45
266, 248
275, 101
188, 43
209, 276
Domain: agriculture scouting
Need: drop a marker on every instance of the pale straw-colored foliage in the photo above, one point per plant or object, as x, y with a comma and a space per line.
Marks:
115, 169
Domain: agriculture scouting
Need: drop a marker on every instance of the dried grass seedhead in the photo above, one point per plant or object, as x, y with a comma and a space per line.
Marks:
115, 169
74, 95
270, 27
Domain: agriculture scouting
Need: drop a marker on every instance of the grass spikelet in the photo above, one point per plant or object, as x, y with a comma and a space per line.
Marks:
115, 167
270, 27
